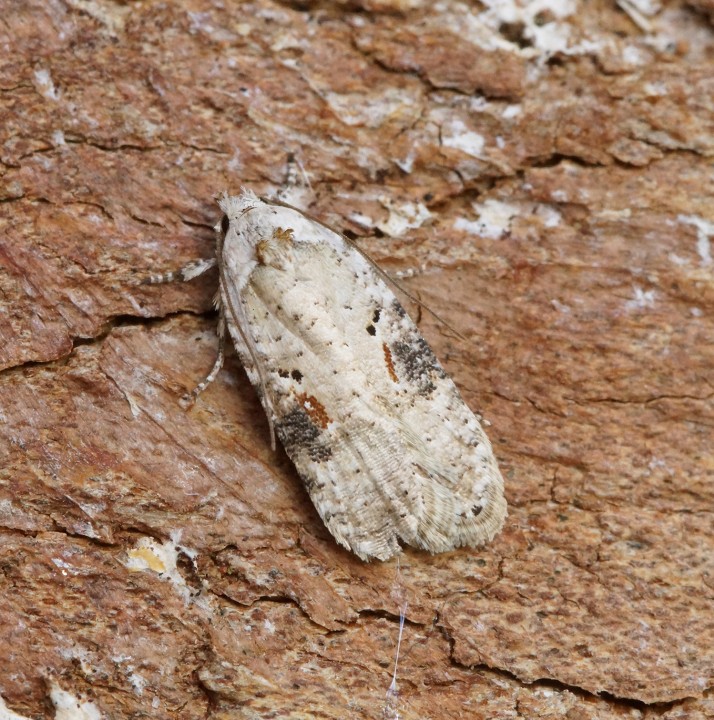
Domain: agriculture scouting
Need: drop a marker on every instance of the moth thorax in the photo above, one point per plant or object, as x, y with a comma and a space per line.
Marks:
277, 250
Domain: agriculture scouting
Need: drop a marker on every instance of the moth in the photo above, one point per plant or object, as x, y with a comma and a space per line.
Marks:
384, 443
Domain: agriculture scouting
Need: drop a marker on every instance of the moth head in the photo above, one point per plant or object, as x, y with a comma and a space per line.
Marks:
235, 205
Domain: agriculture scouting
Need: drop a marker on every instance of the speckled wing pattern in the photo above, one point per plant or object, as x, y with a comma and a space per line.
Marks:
381, 437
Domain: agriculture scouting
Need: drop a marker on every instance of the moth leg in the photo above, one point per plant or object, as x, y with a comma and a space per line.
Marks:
190, 398
293, 167
295, 185
186, 273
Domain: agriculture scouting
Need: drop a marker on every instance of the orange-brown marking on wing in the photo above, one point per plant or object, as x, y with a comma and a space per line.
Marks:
390, 362
284, 235
261, 251
275, 249
315, 410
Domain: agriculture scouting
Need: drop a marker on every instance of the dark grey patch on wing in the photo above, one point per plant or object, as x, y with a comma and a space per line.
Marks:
299, 436
417, 362
398, 309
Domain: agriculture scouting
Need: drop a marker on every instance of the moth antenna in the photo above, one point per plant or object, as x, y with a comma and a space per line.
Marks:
304, 174
395, 284
391, 704
240, 322
296, 181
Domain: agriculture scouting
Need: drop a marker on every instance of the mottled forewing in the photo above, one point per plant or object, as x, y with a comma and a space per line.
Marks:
378, 432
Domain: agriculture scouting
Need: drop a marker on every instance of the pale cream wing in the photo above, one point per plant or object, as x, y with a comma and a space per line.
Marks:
379, 434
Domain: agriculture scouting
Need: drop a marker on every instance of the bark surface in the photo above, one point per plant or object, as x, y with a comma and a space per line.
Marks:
544, 181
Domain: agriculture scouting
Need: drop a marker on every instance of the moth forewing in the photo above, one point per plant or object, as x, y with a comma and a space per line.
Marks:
380, 436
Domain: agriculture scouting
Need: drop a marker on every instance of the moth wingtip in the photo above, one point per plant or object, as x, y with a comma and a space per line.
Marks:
492, 521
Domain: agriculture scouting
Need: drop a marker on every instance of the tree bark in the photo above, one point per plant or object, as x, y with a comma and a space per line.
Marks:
542, 180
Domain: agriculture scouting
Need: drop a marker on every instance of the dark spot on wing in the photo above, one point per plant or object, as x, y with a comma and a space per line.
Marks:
414, 360
296, 375
371, 329
300, 436
320, 453
398, 309
225, 224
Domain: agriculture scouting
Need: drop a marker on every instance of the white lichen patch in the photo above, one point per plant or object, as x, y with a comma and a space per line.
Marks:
160, 558
45, 85
705, 231
455, 134
494, 217
70, 707
402, 217
642, 299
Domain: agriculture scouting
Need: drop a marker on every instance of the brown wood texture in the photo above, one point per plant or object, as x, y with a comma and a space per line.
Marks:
544, 178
